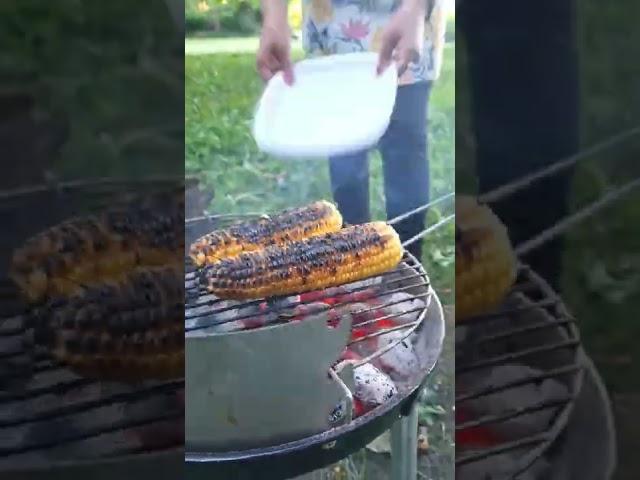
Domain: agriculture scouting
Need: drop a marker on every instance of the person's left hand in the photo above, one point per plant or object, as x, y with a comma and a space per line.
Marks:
403, 37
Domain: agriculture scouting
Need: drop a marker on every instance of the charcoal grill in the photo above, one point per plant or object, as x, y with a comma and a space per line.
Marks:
534, 330
535, 334
54, 424
274, 443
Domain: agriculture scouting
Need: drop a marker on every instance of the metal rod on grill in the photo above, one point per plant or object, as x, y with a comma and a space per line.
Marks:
270, 309
519, 331
530, 379
411, 327
392, 221
410, 213
384, 317
523, 182
390, 304
485, 317
429, 229
111, 428
89, 405
514, 413
509, 357
227, 216
384, 331
563, 225
97, 182
503, 448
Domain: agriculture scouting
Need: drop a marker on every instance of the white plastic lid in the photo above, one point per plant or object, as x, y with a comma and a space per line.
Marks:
337, 105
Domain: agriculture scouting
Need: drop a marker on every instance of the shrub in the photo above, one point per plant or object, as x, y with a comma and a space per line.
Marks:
222, 16
295, 15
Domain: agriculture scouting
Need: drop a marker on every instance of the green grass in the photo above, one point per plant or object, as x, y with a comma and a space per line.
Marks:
199, 46
205, 46
119, 87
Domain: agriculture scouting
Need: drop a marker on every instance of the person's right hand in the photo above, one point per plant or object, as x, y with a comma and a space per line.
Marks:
274, 53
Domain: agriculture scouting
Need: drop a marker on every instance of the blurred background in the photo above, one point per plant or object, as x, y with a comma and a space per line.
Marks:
599, 278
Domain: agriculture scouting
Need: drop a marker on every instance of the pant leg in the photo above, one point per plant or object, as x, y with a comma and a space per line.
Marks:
404, 154
350, 186
523, 71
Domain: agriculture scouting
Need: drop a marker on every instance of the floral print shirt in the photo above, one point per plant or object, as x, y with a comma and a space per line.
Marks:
346, 26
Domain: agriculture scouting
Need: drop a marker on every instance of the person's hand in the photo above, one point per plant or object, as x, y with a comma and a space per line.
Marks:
402, 38
274, 53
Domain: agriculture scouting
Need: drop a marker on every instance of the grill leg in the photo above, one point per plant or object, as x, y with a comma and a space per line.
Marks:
404, 447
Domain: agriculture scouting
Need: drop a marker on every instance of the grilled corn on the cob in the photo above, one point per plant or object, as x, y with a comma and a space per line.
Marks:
485, 261
333, 259
83, 251
291, 225
128, 330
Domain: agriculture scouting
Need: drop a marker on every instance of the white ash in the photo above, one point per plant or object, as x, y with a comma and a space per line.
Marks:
360, 312
372, 387
216, 317
362, 284
407, 309
401, 361
514, 399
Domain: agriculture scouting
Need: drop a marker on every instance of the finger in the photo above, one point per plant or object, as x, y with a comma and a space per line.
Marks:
265, 72
261, 65
267, 66
402, 67
287, 71
386, 51
404, 58
272, 63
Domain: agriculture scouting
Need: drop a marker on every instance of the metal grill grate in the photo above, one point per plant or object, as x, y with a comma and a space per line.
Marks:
48, 414
204, 311
534, 333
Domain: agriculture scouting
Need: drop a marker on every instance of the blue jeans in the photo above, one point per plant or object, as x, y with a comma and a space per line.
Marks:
523, 75
406, 169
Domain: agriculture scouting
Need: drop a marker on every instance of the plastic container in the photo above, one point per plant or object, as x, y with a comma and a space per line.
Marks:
337, 105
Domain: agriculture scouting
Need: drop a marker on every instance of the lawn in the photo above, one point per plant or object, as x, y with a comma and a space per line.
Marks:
205, 46
221, 91
119, 89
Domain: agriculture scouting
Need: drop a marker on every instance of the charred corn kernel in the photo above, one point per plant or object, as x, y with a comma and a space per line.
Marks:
485, 261
126, 330
291, 225
83, 251
333, 259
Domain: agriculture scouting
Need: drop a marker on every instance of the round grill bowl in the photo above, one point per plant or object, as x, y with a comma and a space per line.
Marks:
288, 459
